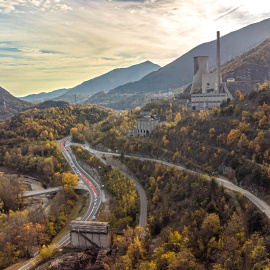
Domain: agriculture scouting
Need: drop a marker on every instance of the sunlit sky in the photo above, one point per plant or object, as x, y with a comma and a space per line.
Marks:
50, 44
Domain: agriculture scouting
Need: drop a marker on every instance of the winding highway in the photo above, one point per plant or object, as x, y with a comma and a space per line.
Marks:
140, 190
92, 187
263, 206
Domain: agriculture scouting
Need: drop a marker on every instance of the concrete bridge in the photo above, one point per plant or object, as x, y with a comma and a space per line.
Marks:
34, 193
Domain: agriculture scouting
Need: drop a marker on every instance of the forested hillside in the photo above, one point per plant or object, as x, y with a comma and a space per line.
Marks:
248, 69
193, 224
254, 62
238, 148
124, 205
28, 145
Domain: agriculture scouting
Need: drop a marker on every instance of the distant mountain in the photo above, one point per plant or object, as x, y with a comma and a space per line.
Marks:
180, 71
114, 78
9, 105
105, 82
109, 81
36, 98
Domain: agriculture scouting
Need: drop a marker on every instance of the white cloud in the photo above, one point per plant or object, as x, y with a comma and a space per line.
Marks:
62, 7
35, 3
22, 6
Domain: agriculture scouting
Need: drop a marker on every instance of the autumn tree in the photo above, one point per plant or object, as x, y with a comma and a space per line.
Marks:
237, 94
70, 181
31, 235
243, 142
177, 118
233, 136
11, 190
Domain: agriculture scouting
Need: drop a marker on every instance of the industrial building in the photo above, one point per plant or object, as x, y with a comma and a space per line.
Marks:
146, 123
207, 90
206, 101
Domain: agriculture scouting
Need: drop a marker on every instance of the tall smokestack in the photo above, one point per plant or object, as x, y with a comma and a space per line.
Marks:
218, 59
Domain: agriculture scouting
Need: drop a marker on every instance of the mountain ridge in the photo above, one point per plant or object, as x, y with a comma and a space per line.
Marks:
43, 96
104, 82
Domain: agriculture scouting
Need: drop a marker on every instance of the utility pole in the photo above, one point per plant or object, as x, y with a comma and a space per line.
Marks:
5, 106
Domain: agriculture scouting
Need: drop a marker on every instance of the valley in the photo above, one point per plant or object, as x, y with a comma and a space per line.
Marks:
131, 164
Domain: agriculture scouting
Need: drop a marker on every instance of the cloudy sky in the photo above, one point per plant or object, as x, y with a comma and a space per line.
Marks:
51, 44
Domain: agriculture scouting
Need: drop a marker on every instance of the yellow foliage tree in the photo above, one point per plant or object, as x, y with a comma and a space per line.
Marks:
212, 132
243, 142
177, 118
237, 93
233, 136
69, 181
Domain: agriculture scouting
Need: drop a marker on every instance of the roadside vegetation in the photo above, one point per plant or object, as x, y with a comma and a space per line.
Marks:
124, 205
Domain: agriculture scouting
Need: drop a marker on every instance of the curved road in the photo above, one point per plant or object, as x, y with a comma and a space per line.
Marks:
93, 189
140, 190
263, 206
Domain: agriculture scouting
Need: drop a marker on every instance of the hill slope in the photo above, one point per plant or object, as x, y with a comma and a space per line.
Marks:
108, 81
51, 104
114, 78
248, 69
258, 57
13, 104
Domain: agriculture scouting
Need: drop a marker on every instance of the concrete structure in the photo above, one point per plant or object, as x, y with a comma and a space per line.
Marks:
84, 234
210, 83
145, 113
207, 89
200, 68
206, 101
145, 125
32, 193
133, 132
